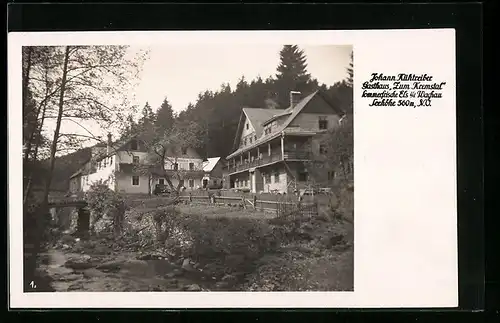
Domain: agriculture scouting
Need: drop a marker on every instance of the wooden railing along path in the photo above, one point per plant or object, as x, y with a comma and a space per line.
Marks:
280, 207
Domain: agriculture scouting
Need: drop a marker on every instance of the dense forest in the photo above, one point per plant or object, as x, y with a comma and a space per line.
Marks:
217, 112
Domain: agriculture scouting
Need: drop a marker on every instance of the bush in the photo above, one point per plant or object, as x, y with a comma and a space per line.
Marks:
106, 205
236, 241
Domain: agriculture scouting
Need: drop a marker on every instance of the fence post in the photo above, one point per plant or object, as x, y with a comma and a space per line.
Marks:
243, 201
190, 197
255, 202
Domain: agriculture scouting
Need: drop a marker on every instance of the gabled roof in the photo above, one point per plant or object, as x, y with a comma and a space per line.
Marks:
256, 117
209, 165
292, 113
298, 108
78, 172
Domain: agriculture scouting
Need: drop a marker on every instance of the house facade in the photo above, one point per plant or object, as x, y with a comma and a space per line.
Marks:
116, 165
184, 169
213, 176
273, 147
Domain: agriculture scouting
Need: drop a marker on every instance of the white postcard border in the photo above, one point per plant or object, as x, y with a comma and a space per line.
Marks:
400, 259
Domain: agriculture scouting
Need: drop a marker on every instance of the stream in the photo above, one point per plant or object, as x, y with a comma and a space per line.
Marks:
80, 272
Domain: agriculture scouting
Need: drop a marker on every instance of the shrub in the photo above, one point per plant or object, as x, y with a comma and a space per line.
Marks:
102, 202
235, 241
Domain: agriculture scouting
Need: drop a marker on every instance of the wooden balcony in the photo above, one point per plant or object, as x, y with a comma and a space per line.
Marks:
297, 155
266, 159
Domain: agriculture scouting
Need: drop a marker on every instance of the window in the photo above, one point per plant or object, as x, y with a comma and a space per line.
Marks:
133, 145
161, 181
135, 159
267, 178
246, 182
245, 142
184, 151
175, 166
135, 180
247, 126
250, 139
181, 182
322, 149
191, 166
111, 161
331, 175
191, 183
323, 124
215, 182
276, 177
255, 137
105, 162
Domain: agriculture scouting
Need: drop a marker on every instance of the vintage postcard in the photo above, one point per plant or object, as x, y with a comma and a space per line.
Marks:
234, 169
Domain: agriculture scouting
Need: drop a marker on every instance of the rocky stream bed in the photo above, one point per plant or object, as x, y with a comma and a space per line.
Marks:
100, 269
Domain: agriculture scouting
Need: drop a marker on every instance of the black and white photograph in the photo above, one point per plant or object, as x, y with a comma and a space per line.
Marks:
188, 168
232, 169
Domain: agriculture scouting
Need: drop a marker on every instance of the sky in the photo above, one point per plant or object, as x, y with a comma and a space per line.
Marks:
180, 73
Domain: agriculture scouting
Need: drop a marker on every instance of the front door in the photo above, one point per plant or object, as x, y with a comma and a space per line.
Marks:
205, 183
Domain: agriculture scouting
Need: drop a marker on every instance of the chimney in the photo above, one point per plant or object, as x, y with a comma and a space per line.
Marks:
294, 98
108, 150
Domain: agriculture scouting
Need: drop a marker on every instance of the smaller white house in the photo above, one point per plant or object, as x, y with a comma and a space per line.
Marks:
213, 173
116, 165
184, 169
190, 171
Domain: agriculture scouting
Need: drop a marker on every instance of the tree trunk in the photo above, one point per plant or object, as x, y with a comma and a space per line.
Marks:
37, 146
26, 78
58, 127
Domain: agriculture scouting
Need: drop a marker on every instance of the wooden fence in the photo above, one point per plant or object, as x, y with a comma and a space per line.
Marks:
281, 207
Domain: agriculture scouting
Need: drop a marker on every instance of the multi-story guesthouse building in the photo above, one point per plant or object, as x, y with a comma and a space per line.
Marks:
273, 146
124, 167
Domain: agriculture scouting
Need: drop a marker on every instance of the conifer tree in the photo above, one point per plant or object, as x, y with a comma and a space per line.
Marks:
292, 74
165, 116
350, 72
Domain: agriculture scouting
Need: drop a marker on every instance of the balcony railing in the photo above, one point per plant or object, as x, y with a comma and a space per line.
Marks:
301, 155
266, 159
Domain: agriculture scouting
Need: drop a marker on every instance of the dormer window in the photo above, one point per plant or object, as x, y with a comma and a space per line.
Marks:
133, 145
322, 123
184, 151
135, 159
